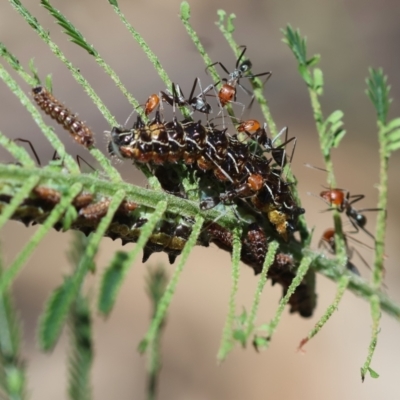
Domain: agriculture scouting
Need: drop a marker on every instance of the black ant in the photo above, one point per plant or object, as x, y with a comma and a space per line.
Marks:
258, 134
176, 97
198, 103
328, 241
227, 93
341, 200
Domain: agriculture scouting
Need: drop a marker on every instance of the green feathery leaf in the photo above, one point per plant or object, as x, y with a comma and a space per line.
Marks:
80, 330
117, 271
166, 299
378, 91
59, 304
12, 369
157, 281
111, 280
376, 316
69, 29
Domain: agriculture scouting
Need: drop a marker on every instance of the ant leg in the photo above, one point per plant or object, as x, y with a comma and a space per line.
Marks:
247, 91
360, 243
220, 64
55, 156
79, 159
240, 56
174, 98
267, 74
32, 148
241, 113
281, 150
205, 107
357, 228
355, 198
178, 95
361, 258
193, 89
168, 98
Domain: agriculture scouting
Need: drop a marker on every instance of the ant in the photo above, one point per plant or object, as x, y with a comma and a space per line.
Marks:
328, 241
198, 103
176, 97
254, 130
227, 93
341, 200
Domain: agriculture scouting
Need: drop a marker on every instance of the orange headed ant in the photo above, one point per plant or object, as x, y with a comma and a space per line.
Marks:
341, 200
328, 241
227, 93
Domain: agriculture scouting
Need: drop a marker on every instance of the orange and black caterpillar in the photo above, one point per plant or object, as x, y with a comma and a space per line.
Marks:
52, 107
169, 236
244, 173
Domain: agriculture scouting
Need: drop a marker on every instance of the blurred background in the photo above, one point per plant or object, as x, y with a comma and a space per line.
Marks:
350, 36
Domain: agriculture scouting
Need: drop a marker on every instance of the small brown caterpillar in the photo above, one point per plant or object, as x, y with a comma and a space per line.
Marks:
52, 107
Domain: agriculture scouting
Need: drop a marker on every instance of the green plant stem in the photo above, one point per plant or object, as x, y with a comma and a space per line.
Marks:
15, 64
154, 351
378, 270
227, 335
12, 368
301, 272
120, 266
18, 175
10, 274
9, 210
93, 184
269, 259
376, 315
157, 282
170, 290
341, 288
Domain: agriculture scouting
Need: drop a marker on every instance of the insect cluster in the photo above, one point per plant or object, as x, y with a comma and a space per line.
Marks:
240, 167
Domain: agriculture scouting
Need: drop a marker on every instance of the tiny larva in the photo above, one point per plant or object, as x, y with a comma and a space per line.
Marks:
52, 107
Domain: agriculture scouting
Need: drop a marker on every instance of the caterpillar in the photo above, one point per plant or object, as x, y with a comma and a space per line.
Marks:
52, 107
245, 174
169, 236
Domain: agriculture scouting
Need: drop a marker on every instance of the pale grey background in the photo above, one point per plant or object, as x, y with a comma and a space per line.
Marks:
350, 36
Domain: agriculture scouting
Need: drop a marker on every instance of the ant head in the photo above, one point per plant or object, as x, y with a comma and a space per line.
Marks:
334, 197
